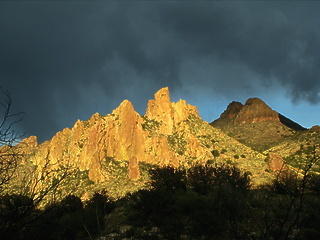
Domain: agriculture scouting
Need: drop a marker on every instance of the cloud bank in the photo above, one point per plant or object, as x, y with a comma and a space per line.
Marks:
66, 60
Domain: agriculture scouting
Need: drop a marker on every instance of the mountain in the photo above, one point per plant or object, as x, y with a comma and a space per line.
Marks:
286, 144
84, 182
113, 152
255, 124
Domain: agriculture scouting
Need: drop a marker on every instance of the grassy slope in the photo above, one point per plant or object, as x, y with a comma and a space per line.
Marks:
259, 136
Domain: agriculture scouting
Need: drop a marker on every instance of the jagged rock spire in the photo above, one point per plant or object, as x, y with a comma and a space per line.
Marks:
167, 113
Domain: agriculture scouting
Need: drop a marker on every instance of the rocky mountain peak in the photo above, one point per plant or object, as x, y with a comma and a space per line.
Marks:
124, 107
256, 102
163, 95
232, 110
254, 110
162, 110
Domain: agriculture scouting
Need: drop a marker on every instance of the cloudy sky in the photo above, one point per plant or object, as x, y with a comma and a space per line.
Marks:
63, 61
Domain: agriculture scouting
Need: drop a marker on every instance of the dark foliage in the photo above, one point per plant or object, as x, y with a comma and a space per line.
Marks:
217, 203
286, 183
167, 178
94, 213
204, 202
16, 212
68, 219
313, 183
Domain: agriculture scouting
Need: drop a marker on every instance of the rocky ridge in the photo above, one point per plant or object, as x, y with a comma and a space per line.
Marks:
108, 149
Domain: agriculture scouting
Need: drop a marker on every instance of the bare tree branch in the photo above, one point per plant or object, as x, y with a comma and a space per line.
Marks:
8, 138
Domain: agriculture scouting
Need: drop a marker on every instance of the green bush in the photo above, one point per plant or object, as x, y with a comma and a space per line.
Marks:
223, 151
215, 153
211, 161
229, 161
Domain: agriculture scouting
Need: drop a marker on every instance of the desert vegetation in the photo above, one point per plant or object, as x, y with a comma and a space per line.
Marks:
203, 202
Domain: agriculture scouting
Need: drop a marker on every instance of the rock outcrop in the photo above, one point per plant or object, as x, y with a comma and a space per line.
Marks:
276, 162
168, 114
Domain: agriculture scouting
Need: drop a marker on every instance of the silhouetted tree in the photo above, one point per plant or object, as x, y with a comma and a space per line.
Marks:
25, 188
8, 138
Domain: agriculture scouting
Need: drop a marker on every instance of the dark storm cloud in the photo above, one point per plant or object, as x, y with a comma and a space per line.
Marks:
43, 51
66, 60
264, 39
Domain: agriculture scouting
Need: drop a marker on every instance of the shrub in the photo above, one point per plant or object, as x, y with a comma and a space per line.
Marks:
229, 161
204, 179
211, 161
286, 183
223, 151
215, 153
201, 179
167, 178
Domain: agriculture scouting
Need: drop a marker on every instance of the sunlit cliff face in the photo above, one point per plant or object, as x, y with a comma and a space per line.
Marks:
168, 134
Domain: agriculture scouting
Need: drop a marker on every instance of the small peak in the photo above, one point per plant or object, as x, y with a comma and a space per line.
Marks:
95, 116
315, 128
232, 110
125, 104
256, 110
162, 94
182, 102
161, 105
255, 102
125, 107
32, 140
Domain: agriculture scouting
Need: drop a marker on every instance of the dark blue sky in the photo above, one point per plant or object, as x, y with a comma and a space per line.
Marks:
63, 61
